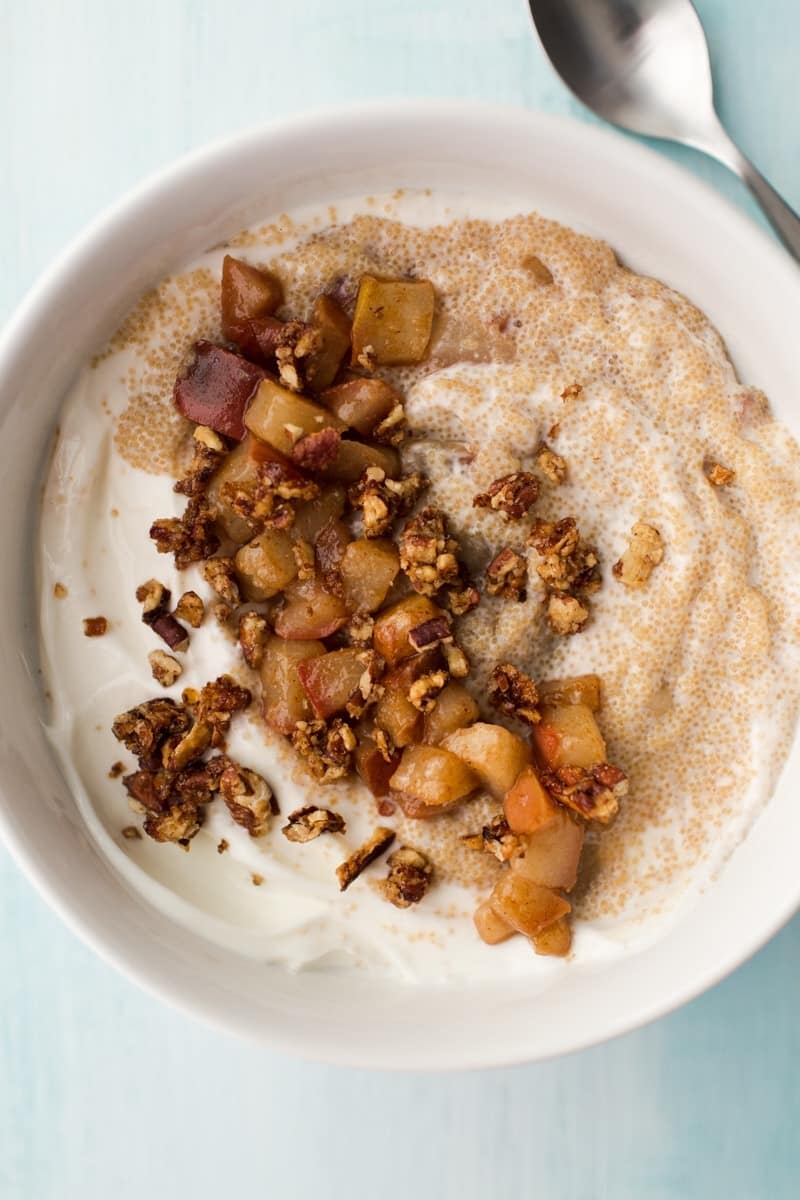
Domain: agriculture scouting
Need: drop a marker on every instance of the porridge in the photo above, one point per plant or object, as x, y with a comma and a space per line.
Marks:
419, 573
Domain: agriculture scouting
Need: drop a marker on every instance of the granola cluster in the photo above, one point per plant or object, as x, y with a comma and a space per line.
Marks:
570, 570
429, 557
514, 693
382, 499
512, 495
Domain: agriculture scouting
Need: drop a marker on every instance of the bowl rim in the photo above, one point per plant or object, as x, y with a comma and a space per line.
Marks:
112, 220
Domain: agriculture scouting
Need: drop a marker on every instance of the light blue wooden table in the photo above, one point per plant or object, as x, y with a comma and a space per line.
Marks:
104, 1093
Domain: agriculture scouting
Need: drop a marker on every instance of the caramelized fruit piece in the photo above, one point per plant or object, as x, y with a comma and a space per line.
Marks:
393, 626
393, 320
495, 755
283, 698
329, 549
216, 388
555, 940
310, 611
526, 906
240, 468
266, 565
490, 926
361, 403
568, 736
246, 293
394, 712
372, 767
313, 515
454, 709
577, 689
281, 417
431, 780
551, 855
334, 325
353, 459
368, 570
331, 680
527, 806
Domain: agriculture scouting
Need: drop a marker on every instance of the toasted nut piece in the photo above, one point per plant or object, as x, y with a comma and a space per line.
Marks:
456, 659
351, 868
514, 692
552, 465
717, 474
253, 633
248, 798
143, 729
165, 668
592, 793
191, 609
316, 451
170, 631
220, 573
567, 563
507, 575
131, 833
381, 498
423, 691
190, 538
154, 598
512, 495
572, 391
645, 551
326, 748
565, 614
209, 451
190, 747
496, 838
178, 824
306, 824
409, 877
431, 633
428, 553
95, 626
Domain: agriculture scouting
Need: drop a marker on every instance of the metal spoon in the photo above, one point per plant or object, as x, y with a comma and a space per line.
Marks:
644, 65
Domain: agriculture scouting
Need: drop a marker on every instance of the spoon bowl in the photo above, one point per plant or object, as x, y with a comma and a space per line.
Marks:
643, 65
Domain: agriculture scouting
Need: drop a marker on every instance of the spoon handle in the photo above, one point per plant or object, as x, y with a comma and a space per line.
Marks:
783, 219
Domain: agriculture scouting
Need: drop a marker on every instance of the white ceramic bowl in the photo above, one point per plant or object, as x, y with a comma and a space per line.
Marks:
662, 222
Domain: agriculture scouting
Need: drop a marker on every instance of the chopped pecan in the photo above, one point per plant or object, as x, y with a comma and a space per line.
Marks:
565, 614
306, 824
461, 599
316, 451
572, 391
95, 626
170, 631
253, 630
384, 744
191, 746
513, 692
391, 431
189, 538
198, 782
143, 729
552, 465
116, 770
645, 551
424, 691
409, 877
351, 868
382, 499
209, 451
512, 495
131, 833
165, 668
154, 598
456, 659
368, 689
296, 341
216, 703
248, 798
220, 573
496, 838
717, 474
178, 824
592, 793
507, 575
359, 630
428, 553
567, 563
269, 501
191, 609
326, 748
431, 633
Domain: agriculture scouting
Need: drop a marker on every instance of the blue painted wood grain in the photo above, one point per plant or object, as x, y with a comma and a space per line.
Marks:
104, 1092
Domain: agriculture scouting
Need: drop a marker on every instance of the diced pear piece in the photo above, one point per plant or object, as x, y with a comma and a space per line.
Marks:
576, 689
393, 321
455, 708
551, 855
331, 680
527, 806
309, 611
361, 403
393, 626
266, 565
555, 940
494, 754
368, 568
490, 926
334, 327
431, 780
568, 736
283, 698
281, 417
526, 906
